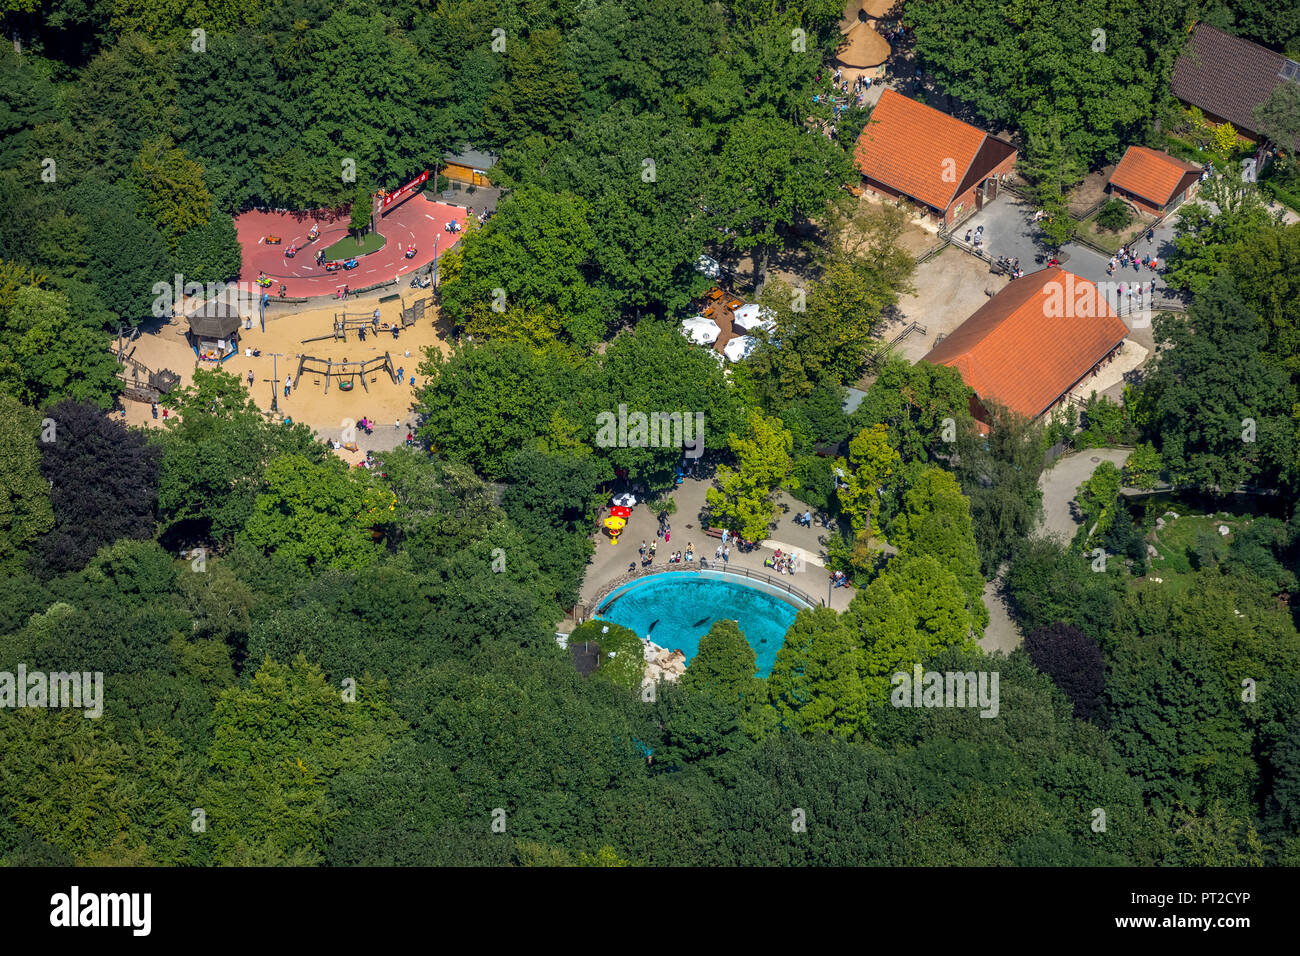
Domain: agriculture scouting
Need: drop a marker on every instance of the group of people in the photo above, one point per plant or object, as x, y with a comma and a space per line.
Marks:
976, 238
648, 551
1010, 266
783, 563
723, 553
839, 580
839, 98
1126, 257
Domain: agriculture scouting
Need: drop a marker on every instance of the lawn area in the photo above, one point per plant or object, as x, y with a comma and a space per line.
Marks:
347, 247
1176, 543
1111, 241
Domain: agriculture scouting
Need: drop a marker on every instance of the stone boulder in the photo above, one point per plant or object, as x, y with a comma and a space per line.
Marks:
662, 664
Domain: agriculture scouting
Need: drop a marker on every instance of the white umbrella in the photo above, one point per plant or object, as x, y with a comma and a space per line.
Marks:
700, 330
625, 500
750, 317
739, 347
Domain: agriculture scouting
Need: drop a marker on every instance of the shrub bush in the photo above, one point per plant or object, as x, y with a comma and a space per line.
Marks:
1114, 215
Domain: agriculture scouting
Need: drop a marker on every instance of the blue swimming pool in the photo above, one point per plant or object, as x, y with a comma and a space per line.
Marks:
676, 610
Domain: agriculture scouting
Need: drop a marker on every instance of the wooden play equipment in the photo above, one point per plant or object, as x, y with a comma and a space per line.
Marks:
348, 320
346, 371
345, 321
140, 383
415, 312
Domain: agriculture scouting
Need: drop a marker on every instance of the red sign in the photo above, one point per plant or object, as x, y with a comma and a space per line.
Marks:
391, 199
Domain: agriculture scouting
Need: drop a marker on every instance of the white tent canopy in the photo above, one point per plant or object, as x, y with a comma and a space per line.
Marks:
709, 266
752, 316
700, 330
739, 347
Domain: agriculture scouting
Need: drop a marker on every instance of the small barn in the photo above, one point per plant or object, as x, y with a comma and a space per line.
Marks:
1153, 181
214, 331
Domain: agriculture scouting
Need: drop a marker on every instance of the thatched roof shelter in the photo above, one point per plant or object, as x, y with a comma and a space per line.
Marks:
863, 47
860, 11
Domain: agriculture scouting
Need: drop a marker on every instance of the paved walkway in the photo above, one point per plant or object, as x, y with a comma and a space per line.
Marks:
1001, 634
1060, 482
1010, 230
611, 561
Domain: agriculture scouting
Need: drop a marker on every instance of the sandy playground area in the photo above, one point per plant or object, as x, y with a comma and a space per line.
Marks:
164, 346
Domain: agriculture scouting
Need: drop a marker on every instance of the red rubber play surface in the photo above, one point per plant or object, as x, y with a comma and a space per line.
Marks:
417, 220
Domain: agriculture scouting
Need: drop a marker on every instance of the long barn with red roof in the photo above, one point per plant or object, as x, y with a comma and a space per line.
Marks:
1031, 344
948, 167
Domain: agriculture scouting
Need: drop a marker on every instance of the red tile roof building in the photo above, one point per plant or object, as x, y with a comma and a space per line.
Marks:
1033, 342
912, 150
1152, 180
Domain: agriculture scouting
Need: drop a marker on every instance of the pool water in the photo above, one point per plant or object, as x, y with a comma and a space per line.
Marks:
676, 610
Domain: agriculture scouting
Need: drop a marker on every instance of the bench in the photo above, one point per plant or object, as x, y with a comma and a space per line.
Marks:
713, 532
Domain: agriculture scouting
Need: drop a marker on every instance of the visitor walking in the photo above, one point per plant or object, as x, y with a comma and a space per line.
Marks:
287, 383
726, 554
250, 379
155, 409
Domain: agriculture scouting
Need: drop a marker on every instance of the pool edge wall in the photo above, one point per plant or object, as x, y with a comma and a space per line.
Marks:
771, 590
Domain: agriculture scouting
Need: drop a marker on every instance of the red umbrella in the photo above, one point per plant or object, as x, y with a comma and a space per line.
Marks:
620, 511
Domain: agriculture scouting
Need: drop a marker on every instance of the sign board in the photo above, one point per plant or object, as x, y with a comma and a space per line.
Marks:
393, 198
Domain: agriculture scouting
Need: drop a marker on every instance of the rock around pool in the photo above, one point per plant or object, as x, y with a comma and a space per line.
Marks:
675, 610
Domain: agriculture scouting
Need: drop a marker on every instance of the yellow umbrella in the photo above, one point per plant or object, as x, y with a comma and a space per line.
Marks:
615, 524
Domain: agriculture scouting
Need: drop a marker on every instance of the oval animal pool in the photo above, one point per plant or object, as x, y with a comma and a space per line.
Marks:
675, 610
